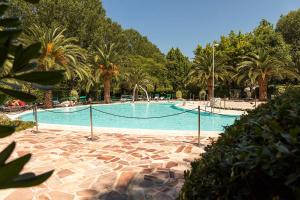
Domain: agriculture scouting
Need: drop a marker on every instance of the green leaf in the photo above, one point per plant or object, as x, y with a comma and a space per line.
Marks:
32, 1
3, 55
4, 155
23, 56
282, 148
12, 169
9, 34
19, 95
6, 131
3, 7
42, 78
9, 22
27, 181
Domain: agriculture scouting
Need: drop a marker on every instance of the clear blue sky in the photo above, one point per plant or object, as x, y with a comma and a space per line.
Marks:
186, 23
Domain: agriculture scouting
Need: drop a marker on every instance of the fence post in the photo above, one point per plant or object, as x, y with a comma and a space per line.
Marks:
199, 126
35, 117
91, 122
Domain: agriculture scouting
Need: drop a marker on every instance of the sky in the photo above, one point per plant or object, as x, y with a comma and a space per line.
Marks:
187, 23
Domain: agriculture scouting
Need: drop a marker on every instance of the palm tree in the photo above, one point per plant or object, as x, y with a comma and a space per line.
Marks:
57, 53
261, 67
137, 78
202, 71
106, 60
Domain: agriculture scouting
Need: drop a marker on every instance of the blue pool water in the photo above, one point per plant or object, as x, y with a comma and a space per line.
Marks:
186, 121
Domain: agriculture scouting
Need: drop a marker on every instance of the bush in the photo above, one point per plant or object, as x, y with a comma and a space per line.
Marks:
20, 125
74, 93
202, 94
258, 157
178, 95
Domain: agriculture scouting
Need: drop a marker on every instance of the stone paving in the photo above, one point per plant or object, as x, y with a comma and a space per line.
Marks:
114, 167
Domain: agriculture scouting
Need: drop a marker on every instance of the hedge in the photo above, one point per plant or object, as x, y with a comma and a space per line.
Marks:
257, 157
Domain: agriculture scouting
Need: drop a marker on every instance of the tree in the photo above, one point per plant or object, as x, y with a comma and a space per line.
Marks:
107, 61
289, 26
137, 78
265, 37
139, 45
234, 46
261, 67
202, 69
84, 20
58, 53
178, 67
156, 70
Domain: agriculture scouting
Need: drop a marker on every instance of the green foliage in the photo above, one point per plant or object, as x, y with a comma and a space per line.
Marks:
234, 46
17, 64
256, 158
178, 94
81, 19
19, 125
74, 93
202, 71
178, 67
202, 94
58, 52
289, 26
139, 45
266, 38
261, 67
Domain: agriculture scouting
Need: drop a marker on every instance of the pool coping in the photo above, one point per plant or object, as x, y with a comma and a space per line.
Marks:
129, 131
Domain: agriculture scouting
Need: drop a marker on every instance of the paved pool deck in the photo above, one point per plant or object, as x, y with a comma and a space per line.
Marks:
114, 167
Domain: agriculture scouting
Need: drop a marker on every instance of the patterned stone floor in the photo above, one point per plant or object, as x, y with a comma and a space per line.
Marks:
114, 167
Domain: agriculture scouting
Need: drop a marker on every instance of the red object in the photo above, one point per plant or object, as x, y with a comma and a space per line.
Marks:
22, 103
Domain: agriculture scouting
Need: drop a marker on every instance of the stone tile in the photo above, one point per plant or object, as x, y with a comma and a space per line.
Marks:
57, 195
26, 194
124, 180
103, 169
171, 164
87, 193
105, 157
65, 172
179, 149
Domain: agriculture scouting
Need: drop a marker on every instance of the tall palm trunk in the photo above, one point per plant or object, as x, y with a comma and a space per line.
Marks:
209, 88
48, 99
107, 90
263, 89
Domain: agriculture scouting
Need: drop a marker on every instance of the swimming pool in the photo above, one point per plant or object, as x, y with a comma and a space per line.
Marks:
185, 121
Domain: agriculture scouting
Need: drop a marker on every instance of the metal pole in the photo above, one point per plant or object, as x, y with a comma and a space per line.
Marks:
255, 101
213, 75
91, 121
36, 118
199, 126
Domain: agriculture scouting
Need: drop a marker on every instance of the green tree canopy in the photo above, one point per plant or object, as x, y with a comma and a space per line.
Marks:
289, 26
178, 67
234, 46
202, 69
266, 38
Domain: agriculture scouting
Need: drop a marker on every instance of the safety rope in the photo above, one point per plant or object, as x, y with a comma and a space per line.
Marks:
75, 111
154, 117
131, 117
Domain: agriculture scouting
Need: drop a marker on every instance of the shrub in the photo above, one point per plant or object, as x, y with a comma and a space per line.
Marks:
257, 157
178, 94
202, 94
74, 93
20, 125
